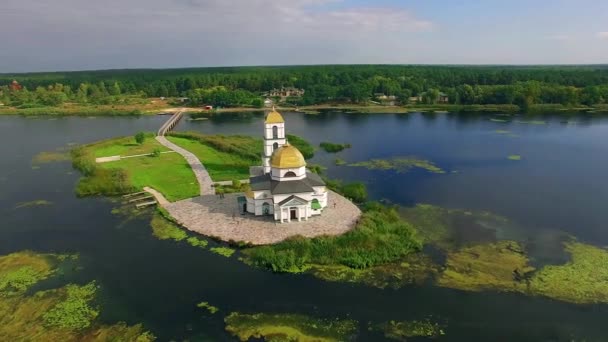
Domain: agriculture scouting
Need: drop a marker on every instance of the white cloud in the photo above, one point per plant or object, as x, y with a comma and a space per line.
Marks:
602, 35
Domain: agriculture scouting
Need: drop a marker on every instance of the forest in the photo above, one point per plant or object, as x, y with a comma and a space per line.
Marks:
243, 86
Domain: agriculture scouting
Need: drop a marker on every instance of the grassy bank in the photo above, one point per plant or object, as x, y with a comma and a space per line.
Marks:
74, 109
380, 237
168, 173
224, 157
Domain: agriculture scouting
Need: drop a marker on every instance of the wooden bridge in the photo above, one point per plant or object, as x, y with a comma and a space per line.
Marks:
170, 124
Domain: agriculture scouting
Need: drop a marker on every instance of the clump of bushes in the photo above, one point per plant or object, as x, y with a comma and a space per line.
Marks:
355, 191
380, 237
97, 180
333, 148
307, 150
140, 138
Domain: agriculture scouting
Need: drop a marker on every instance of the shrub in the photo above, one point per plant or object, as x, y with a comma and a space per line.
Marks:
140, 137
355, 191
333, 148
156, 152
307, 150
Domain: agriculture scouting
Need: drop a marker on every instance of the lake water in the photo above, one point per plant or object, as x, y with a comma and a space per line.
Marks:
557, 186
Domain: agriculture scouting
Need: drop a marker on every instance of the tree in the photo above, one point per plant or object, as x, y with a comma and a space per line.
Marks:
140, 138
431, 96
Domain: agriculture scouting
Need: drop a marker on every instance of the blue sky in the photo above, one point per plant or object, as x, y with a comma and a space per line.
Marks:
40, 35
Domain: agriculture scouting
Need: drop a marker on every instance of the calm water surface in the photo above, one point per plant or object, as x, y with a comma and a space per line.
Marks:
558, 186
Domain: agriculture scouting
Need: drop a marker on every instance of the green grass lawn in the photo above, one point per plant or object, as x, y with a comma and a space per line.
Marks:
222, 166
170, 174
126, 147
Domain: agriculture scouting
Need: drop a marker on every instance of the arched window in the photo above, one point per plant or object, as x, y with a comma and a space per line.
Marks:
275, 146
275, 132
290, 174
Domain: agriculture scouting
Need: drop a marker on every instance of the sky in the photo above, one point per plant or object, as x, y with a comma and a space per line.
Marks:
57, 35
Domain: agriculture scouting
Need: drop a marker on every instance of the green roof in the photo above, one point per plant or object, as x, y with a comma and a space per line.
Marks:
315, 204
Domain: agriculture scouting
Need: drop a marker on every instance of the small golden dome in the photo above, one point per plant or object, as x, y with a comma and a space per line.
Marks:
274, 117
287, 157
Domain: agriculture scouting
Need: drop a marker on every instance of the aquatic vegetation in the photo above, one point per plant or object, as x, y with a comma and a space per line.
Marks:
316, 168
582, 280
340, 162
499, 266
165, 230
75, 311
289, 327
401, 330
19, 271
502, 131
36, 203
332, 147
380, 237
531, 122
224, 251
399, 164
50, 157
307, 150
205, 305
61, 314
416, 268
498, 120
196, 242
514, 157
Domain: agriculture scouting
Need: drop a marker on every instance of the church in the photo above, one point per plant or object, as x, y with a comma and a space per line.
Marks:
282, 186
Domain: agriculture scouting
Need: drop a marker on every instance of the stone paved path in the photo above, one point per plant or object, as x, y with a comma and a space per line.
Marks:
202, 176
220, 218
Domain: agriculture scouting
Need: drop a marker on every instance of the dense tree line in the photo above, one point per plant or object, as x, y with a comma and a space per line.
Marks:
525, 85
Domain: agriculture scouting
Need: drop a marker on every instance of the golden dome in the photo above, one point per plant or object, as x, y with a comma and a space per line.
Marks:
249, 194
287, 157
274, 117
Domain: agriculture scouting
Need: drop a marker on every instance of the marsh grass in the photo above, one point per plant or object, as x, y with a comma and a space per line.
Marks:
50, 157
289, 327
307, 150
380, 237
223, 251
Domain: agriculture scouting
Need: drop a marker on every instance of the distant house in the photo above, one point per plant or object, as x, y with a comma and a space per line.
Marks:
15, 86
388, 100
183, 99
284, 92
443, 98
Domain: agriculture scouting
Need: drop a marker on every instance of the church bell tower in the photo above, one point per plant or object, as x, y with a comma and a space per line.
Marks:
274, 136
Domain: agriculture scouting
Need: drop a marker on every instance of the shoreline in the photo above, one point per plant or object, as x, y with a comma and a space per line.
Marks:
308, 110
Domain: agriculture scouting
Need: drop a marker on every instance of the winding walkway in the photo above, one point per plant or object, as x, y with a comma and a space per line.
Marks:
202, 176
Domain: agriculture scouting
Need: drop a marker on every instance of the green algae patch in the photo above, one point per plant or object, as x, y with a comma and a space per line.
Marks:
19, 271
289, 327
582, 280
223, 251
75, 311
61, 314
340, 162
531, 122
501, 131
402, 330
50, 157
501, 266
448, 229
399, 164
414, 269
514, 157
35, 203
205, 305
196, 242
165, 230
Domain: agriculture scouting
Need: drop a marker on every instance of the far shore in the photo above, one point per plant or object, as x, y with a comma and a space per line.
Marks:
154, 108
